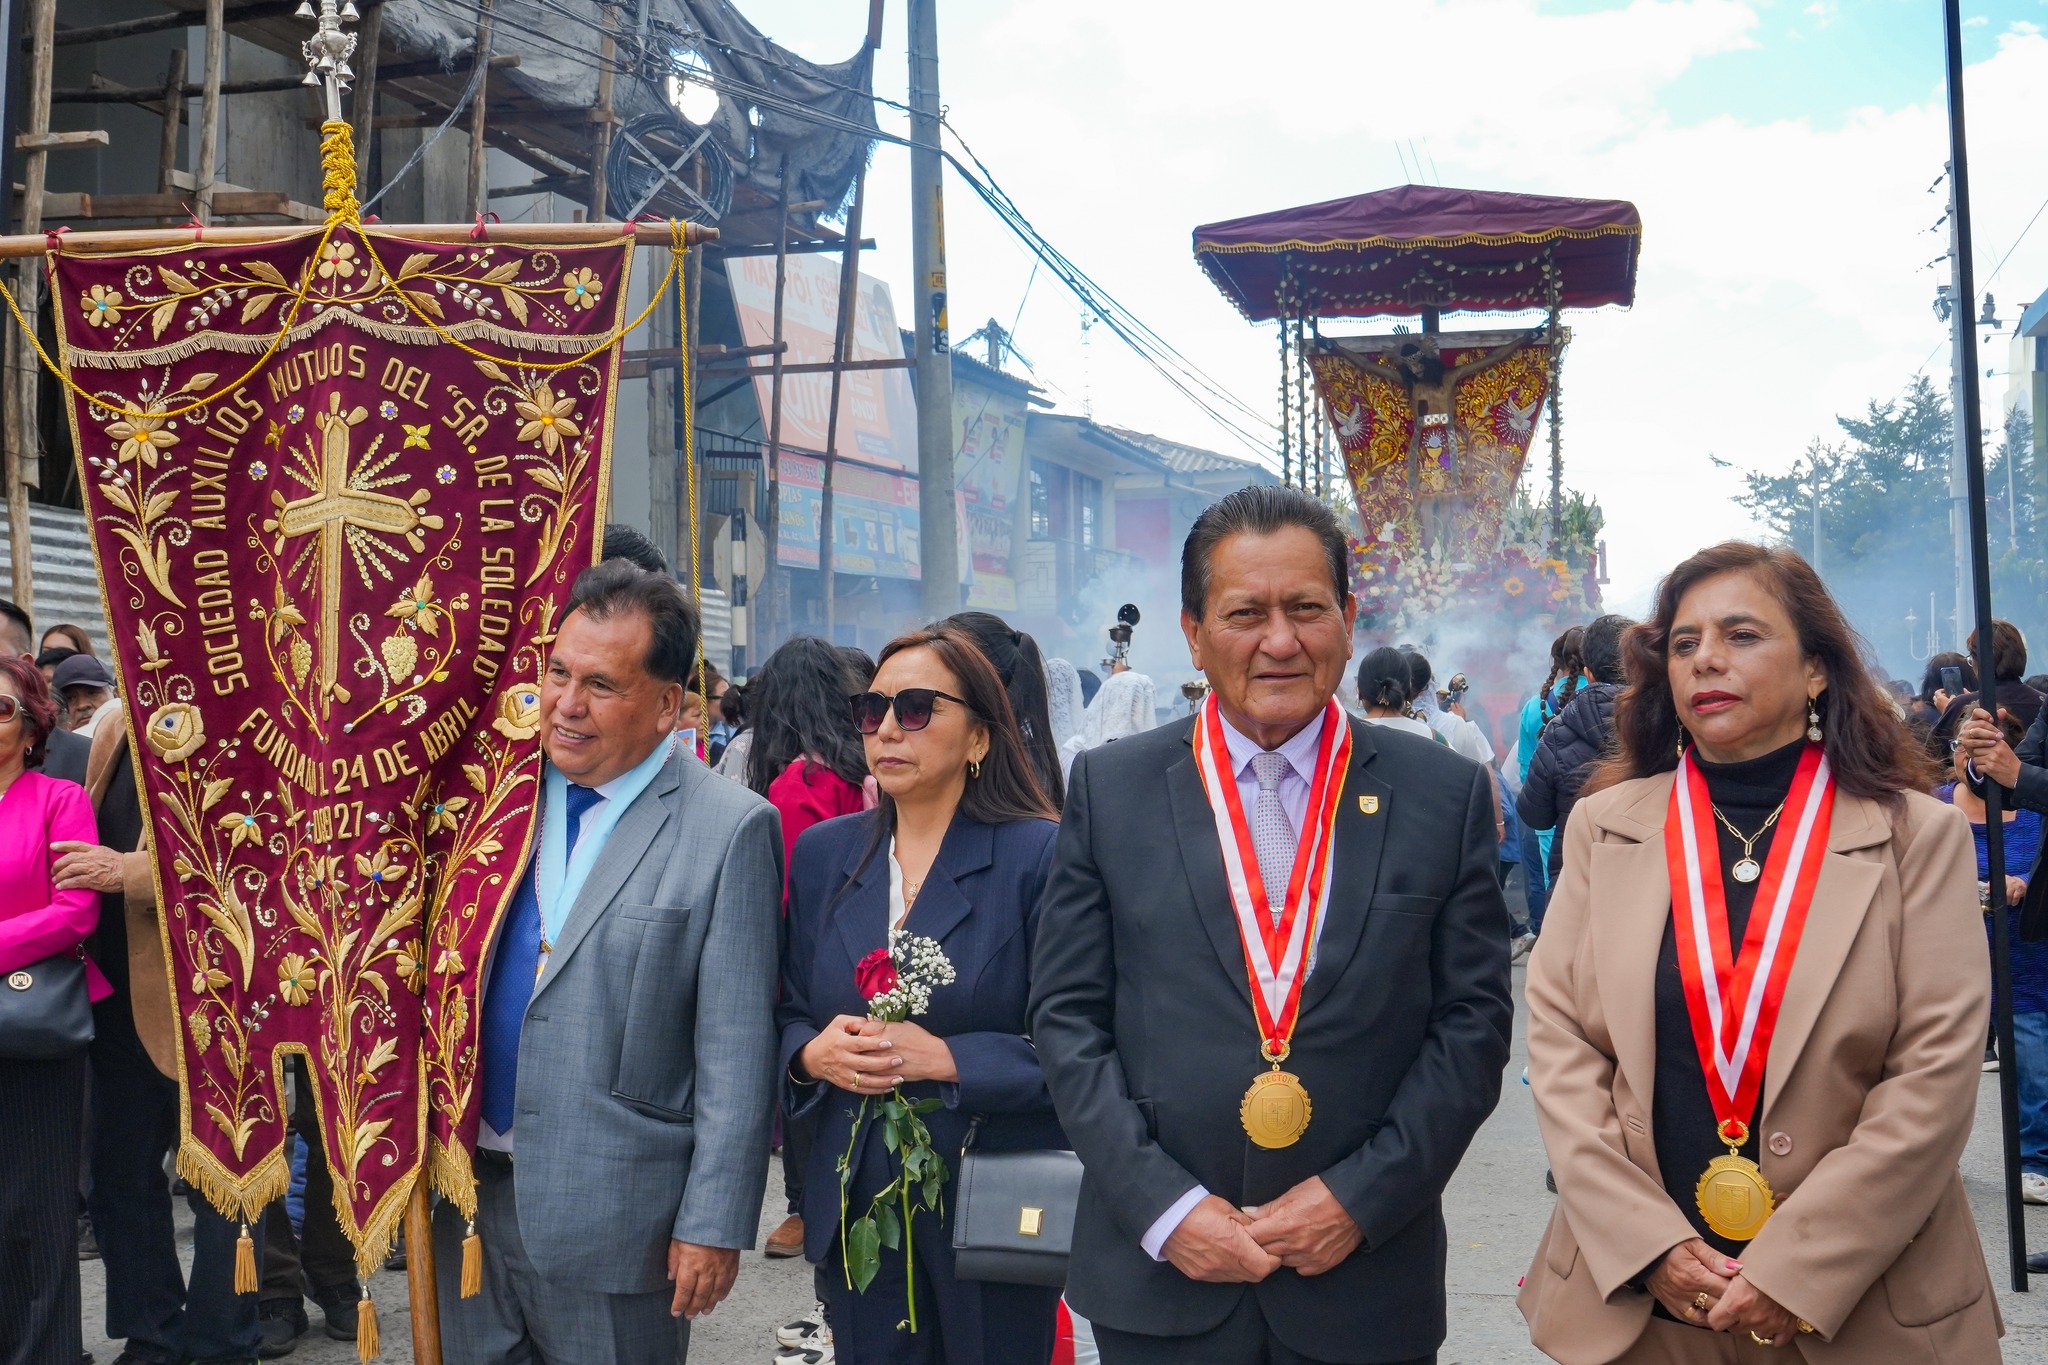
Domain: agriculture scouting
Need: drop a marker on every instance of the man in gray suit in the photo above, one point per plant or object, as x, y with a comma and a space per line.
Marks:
64, 753
628, 1049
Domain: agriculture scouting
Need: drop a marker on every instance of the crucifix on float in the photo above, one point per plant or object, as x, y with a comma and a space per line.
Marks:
345, 511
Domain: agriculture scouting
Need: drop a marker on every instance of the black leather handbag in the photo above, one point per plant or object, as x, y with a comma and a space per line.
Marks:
1013, 1214
45, 1011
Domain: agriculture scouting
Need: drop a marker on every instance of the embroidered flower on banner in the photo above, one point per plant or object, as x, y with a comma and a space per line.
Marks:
582, 288
548, 418
416, 607
338, 259
176, 731
412, 970
444, 814
294, 979
241, 826
143, 435
381, 869
518, 713
102, 306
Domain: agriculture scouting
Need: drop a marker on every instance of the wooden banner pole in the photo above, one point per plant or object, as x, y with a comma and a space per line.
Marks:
419, 1276
522, 234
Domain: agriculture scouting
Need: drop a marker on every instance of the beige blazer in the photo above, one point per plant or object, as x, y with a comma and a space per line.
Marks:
1869, 1091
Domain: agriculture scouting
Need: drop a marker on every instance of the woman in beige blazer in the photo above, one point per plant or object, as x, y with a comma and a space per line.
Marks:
1816, 1209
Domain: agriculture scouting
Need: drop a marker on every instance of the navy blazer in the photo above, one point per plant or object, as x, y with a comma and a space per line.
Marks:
980, 902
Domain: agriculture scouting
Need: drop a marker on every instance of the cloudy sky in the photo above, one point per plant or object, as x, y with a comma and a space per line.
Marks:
1781, 154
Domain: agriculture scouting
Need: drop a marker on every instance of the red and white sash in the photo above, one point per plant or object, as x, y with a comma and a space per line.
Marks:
1275, 953
1734, 1001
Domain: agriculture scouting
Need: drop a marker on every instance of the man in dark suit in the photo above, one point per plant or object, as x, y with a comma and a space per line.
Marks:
1193, 1242
64, 754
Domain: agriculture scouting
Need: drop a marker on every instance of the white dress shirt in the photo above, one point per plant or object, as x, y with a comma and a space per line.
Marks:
1300, 753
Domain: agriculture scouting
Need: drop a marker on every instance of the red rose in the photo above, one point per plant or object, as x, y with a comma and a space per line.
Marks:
876, 975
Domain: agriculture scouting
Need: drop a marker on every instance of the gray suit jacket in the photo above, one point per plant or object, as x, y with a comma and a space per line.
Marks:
647, 1056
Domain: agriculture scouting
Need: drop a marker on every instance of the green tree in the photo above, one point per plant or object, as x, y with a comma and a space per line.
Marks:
1877, 499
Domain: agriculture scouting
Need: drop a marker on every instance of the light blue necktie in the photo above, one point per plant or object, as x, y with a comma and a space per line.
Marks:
1273, 834
513, 971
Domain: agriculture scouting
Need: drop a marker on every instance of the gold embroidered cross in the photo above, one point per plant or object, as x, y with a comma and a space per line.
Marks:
340, 512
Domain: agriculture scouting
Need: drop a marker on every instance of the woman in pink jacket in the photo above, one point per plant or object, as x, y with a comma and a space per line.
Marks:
41, 1102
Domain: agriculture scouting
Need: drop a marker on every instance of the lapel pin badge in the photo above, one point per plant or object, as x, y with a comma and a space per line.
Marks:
1369, 805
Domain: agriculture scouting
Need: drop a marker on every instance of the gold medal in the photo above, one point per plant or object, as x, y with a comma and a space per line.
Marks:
1275, 1110
1734, 1197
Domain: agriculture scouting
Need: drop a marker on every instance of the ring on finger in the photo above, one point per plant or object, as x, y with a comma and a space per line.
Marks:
1763, 1340
1701, 1302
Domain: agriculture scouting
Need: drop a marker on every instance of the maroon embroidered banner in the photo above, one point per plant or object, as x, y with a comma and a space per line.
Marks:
330, 580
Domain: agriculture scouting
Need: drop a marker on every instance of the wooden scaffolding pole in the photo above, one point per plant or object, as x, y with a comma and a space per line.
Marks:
479, 186
23, 444
601, 115
174, 119
849, 297
209, 109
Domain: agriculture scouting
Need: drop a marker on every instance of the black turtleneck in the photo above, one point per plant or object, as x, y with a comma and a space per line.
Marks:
1681, 1115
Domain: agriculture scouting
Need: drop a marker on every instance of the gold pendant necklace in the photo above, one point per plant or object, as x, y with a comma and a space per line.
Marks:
1747, 869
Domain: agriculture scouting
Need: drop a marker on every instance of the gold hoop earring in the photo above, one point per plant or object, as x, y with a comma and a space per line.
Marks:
973, 768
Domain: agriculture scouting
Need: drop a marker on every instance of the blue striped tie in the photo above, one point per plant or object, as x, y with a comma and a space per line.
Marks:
511, 985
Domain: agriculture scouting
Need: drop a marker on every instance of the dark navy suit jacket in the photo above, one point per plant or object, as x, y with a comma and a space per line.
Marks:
980, 902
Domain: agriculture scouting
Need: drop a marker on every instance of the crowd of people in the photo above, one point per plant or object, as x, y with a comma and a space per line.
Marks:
1249, 962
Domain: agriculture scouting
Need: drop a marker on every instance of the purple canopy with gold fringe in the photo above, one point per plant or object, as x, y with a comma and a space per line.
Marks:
1425, 248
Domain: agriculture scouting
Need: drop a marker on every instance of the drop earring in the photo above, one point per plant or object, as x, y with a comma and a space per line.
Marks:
1681, 741
1812, 722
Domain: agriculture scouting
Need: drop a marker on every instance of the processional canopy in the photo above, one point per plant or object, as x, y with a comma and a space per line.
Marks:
1424, 248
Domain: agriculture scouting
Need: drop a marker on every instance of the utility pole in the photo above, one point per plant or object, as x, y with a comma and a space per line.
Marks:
938, 544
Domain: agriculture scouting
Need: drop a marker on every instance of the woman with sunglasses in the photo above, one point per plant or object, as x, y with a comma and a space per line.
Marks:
957, 852
41, 1101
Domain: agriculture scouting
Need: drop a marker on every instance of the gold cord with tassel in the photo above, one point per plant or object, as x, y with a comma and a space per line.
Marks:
245, 1262
472, 1262
368, 1344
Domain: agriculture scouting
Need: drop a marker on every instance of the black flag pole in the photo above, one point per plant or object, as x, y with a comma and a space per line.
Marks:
1970, 414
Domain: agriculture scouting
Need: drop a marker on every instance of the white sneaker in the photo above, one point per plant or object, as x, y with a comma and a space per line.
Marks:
2034, 1187
805, 1355
805, 1334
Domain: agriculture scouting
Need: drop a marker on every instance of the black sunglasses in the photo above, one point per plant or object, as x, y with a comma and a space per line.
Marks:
913, 707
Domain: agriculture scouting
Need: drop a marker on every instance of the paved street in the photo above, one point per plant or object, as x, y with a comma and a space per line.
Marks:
1496, 1209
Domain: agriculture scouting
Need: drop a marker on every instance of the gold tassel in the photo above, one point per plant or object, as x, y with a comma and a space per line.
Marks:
368, 1345
245, 1262
472, 1263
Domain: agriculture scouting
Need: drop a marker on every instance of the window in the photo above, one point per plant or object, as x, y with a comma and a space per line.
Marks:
1041, 504
1089, 491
